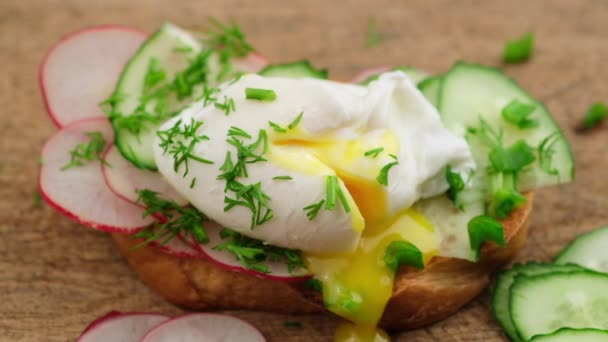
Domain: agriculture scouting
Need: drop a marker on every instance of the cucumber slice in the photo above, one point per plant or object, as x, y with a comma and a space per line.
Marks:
588, 250
430, 88
163, 46
544, 303
569, 335
501, 291
297, 69
469, 91
415, 75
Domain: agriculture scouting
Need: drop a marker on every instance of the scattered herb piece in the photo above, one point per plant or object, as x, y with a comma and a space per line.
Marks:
87, 152
402, 253
374, 153
228, 105
313, 209
260, 94
180, 140
455, 182
518, 114
276, 127
383, 176
228, 39
296, 121
176, 219
282, 178
374, 36
154, 75
252, 253
546, 150
595, 115
193, 183
485, 228
519, 50
513, 158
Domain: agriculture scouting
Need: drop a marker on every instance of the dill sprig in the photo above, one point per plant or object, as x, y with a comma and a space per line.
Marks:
253, 253
313, 209
374, 152
87, 152
174, 219
180, 140
383, 176
333, 194
227, 106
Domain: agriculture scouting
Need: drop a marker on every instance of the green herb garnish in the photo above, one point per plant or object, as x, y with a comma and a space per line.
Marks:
176, 219
383, 176
282, 178
518, 114
84, 153
402, 253
455, 182
595, 115
228, 105
253, 253
276, 127
180, 141
154, 75
512, 159
519, 50
313, 209
238, 132
546, 150
485, 228
374, 37
374, 153
260, 94
296, 121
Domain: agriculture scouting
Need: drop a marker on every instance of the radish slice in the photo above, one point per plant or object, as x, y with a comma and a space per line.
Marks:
81, 70
124, 179
204, 327
179, 246
277, 269
254, 62
121, 327
365, 74
81, 193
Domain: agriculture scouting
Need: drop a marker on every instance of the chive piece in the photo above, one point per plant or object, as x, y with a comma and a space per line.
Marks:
512, 159
595, 115
260, 94
331, 185
313, 209
296, 121
282, 178
518, 114
193, 183
87, 152
519, 50
238, 132
374, 153
276, 127
292, 324
485, 228
383, 176
402, 253
455, 182
342, 199
374, 37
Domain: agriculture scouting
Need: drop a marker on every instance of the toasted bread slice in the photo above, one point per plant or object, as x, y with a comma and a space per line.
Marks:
420, 297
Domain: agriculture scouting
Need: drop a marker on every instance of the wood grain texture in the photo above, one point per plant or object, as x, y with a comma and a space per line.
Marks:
56, 276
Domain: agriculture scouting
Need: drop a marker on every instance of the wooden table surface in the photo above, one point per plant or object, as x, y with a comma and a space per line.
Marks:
56, 276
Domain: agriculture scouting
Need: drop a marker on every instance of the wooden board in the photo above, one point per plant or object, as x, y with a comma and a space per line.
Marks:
56, 276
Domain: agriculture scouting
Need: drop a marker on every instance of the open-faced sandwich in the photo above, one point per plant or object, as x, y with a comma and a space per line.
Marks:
231, 183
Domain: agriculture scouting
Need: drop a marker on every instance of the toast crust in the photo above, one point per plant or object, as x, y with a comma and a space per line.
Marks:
420, 297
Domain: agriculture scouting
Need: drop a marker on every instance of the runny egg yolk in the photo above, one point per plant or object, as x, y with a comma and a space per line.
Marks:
357, 285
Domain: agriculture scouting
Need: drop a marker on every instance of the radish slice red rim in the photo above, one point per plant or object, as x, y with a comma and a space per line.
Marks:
204, 327
124, 179
365, 74
277, 269
121, 327
82, 69
81, 193
254, 62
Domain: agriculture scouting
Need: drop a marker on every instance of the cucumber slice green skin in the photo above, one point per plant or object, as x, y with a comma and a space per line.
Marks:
587, 250
138, 148
501, 291
298, 69
415, 75
544, 303
569, 335
430, 88
469, 91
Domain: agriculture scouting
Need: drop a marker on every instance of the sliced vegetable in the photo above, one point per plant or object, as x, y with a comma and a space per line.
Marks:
569, 335
124, 179
544, 303
121, 327
519, 50
501, 292
204, 327
80, 192
588, 250
179, 246
485, 228
430, 87
595, 115
298, 69
78, 73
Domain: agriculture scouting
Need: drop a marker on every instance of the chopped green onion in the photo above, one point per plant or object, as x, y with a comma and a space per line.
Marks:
193, 183
402, 253
276, 127
238, 132
260, 94
512, 159
455, 182
519, 50
331, 184
296, 121
518, 114
374, 153
282, 178
383, 176
595, 115
485, 228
